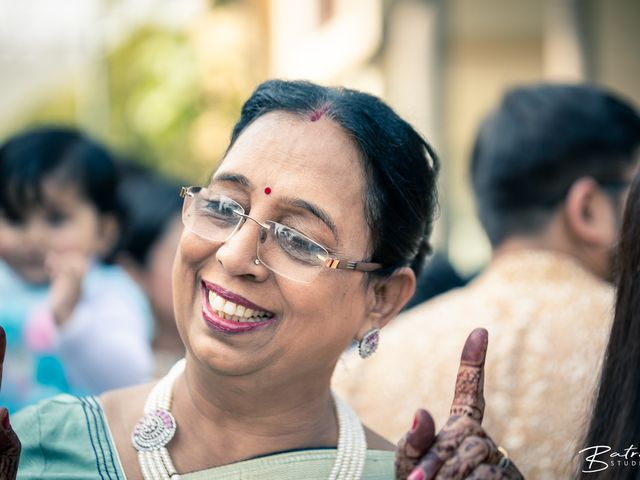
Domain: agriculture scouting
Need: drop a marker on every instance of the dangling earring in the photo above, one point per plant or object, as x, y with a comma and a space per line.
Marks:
369, 343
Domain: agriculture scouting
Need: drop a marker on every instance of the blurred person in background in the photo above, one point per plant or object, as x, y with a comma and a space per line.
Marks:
150, 233
439, 276
615, 420
74, 324
550, 169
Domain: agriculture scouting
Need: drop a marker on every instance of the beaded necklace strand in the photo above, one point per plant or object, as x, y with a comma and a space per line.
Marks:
158, 426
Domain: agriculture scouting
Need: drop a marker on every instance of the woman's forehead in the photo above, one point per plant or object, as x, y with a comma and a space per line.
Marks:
283, 147
301, 161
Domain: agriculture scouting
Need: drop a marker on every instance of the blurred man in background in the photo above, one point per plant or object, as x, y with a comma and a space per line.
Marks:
550, 170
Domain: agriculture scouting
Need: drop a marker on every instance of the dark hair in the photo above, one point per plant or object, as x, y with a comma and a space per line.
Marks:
150, 202
399, 165
29, 158
615, 420
539, 141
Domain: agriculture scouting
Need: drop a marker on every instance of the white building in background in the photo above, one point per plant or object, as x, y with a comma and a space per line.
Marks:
328, 41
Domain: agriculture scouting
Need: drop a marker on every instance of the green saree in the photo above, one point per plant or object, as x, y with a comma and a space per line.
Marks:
68, 438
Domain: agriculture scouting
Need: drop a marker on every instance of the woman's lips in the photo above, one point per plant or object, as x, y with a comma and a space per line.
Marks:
230, 296
230, 313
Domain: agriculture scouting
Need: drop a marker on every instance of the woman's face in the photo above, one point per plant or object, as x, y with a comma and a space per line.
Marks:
307, 166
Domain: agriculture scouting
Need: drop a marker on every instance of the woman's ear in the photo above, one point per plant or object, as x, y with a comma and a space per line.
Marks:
108, 232
390, 295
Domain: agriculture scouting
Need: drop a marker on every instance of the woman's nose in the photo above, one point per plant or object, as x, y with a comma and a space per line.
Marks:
238, 253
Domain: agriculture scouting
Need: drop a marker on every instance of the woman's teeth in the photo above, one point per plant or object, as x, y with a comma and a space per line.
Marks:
236, 313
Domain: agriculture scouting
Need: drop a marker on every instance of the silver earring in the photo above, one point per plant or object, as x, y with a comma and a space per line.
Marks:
369, 343
256, 261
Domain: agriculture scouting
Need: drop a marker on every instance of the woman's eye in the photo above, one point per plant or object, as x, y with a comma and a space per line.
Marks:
221, 209
297, 245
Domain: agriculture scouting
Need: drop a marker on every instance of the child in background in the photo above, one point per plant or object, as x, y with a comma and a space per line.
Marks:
73, 323
150, 234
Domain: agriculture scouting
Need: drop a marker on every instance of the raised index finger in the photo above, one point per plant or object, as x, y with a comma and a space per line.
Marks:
468, 398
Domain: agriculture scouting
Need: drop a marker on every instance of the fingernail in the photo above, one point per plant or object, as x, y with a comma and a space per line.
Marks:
5, 421
475, 348
417, 474
416, 420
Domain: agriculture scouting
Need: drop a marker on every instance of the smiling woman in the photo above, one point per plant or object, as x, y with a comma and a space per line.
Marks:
269, 290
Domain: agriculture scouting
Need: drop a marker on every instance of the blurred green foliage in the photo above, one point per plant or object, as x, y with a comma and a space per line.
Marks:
146, 100
154, 98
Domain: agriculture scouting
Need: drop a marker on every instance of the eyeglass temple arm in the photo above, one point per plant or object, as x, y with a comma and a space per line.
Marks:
338, 264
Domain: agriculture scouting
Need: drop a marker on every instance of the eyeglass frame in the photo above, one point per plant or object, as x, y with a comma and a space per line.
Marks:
331, 262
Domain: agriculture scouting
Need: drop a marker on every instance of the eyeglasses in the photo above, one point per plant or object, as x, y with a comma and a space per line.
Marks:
281, 249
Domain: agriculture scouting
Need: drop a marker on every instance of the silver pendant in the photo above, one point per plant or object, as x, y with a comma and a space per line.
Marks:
154, 431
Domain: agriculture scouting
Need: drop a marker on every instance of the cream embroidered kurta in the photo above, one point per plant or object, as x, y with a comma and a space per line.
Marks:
548, 321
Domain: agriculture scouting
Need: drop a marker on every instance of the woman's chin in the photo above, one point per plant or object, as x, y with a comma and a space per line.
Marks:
232, 354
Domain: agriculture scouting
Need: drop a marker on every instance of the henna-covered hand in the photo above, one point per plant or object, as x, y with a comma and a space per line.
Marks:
9, 443
415, 442
462, 449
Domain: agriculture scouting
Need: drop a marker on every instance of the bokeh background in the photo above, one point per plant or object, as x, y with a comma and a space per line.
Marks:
162, 81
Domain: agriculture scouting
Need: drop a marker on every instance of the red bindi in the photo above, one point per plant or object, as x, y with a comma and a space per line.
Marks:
267, 190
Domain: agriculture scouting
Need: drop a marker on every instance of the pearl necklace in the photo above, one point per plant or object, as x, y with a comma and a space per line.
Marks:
157, 427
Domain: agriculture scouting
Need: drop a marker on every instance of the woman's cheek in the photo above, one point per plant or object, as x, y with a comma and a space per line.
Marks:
335, 299
193, 250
